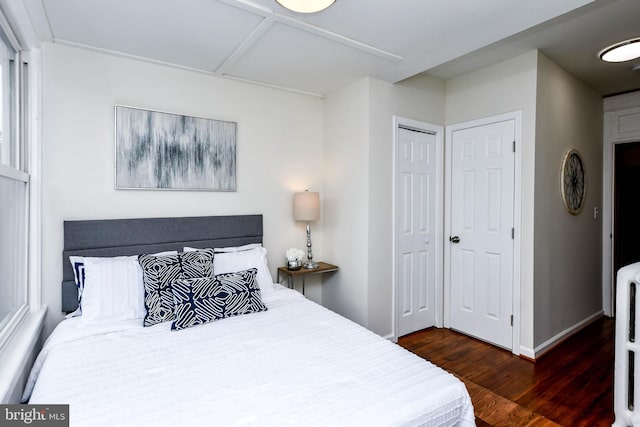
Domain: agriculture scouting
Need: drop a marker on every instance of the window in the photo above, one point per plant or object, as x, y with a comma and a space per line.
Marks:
14, 188
8, 144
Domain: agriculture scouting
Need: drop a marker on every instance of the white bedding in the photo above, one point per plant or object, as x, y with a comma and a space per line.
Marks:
296, 364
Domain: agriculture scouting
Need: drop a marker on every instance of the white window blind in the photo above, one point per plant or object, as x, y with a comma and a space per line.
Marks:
9, 147
13, 250
14, 186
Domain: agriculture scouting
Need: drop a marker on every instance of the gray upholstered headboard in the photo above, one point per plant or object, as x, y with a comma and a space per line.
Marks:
119, 237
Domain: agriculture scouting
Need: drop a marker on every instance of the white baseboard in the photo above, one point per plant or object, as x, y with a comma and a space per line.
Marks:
556, 339
390, 337
527, 352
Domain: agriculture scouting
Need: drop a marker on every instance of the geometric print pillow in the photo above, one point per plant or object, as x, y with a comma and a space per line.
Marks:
196, 263
159, 273
203, 300
77, 263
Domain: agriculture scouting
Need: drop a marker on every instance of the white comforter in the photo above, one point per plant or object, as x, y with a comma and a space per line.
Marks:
296, 364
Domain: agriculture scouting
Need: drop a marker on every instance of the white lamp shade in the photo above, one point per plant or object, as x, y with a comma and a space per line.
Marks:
306, 6
306, 206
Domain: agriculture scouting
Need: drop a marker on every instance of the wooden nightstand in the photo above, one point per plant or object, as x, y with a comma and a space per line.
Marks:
323, 267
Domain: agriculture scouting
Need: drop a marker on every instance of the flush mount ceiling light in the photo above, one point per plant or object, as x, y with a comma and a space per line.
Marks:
306, 6
621, 52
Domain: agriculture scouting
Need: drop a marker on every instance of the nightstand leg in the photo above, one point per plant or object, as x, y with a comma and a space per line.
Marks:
303, 285
290, 282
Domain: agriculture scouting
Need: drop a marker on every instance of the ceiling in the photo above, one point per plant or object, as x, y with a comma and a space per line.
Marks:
261, 42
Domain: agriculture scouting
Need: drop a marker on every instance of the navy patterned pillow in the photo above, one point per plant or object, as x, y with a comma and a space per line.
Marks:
159, 273
77, 263
197, 263
203, 300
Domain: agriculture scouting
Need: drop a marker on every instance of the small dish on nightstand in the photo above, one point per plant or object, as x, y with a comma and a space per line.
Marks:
294, 265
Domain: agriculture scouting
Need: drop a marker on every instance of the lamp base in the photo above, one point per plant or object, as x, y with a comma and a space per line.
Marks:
310, 264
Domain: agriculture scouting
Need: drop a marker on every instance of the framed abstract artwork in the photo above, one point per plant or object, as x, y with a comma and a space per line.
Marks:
166, 151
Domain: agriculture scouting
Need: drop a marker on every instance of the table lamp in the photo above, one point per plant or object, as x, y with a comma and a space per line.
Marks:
306, 207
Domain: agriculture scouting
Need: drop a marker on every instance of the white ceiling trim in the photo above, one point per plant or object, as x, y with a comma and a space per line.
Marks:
8, 32
181, 67
23, 29
251, 7
129, 56
269, 19
246, 44
339, 38
270, 86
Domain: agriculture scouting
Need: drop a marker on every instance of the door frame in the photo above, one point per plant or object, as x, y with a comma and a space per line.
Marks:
616, 108
516, 116
438, 131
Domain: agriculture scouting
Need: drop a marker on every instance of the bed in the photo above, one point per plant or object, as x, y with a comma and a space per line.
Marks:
292, 363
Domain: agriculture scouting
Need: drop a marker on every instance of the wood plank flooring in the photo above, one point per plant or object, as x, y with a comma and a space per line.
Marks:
571, 385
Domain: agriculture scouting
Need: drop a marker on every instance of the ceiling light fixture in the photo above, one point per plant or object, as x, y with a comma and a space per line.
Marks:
306, 6
621, 52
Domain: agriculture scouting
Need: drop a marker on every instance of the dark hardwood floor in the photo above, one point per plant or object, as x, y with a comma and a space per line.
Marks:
571, 385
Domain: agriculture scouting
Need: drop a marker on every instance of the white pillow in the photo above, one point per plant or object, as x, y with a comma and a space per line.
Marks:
240, 258
113, 288
238, 248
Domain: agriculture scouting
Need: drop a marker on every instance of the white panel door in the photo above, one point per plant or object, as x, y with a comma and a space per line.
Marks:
415, 263
481, 242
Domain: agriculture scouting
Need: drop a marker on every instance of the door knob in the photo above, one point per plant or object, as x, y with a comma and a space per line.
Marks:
454, 239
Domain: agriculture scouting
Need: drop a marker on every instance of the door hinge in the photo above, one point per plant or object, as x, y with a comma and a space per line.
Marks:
514, 146
512, 320
513, 233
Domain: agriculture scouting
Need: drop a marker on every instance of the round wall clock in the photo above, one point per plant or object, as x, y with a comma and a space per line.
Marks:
573, 182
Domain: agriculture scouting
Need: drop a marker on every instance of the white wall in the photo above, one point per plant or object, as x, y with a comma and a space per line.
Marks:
346, 200
560, 254
505, 87
280, 151
358, 191
420, 98
567, 276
